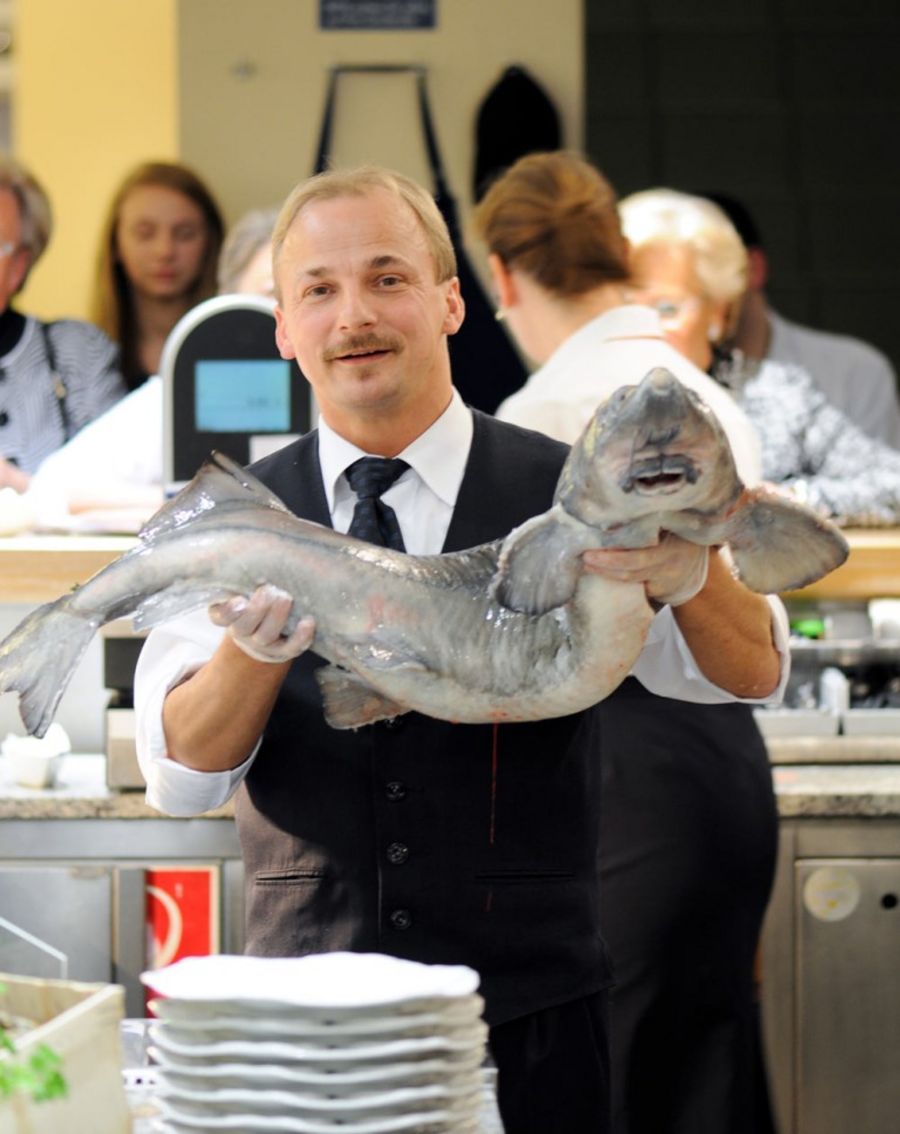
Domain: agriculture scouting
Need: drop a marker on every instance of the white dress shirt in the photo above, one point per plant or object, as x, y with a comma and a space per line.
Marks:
423, 498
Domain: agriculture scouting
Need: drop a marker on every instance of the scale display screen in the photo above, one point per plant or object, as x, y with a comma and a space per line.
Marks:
245, 395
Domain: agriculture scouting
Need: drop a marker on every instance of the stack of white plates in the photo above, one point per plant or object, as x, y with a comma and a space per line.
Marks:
335, 1043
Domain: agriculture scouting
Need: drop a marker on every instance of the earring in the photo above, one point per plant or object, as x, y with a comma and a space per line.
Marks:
715, 332
500, 314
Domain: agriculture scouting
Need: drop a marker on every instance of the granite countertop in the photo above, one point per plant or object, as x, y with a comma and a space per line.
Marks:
80, 793
803, 790
837, 790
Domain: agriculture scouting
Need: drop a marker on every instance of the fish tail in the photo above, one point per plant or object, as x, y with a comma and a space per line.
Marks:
38, 657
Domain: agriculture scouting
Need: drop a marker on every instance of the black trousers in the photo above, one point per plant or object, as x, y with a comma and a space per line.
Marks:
553, 1069
688, 841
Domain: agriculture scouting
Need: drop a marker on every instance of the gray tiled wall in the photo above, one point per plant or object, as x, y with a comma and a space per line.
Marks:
791, 105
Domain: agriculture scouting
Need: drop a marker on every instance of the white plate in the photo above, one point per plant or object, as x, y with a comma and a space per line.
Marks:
347, 1079
418, 1100
425, 1047
322, 980
265, 1032
451, 1084
197, 1016
179, 1120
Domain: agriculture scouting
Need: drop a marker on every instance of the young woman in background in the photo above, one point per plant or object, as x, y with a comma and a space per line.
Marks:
158, 254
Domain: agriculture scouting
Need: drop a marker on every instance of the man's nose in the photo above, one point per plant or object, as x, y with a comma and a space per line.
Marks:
356, 308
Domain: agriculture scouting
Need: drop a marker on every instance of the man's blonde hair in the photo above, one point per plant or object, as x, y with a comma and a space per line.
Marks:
360, 182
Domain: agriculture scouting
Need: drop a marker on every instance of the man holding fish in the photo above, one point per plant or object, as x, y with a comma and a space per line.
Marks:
441, 842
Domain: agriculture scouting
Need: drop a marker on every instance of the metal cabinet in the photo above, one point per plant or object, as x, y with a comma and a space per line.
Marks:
73, 893
831, 977
55, 921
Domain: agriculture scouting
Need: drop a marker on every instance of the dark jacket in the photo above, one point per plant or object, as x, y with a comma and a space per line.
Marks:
438, 842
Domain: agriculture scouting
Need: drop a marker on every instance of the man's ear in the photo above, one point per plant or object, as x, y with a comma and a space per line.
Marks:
285, 347
456, 308
504, 284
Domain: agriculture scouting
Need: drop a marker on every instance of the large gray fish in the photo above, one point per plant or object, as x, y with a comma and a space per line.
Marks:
508, 631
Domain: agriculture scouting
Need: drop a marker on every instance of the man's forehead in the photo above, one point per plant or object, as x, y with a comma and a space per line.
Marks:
377, 228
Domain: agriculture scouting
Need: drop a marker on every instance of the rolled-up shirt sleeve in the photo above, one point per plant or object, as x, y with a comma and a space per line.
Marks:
667, 667
171, 653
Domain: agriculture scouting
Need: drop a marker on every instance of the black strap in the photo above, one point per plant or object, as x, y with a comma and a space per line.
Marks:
431, 147
59, 386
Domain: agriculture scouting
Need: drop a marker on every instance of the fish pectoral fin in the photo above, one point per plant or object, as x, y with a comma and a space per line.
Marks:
780, 545
350, 702
539, 565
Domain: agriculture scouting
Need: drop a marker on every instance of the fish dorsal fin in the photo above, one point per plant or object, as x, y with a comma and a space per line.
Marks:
780, 545
219, 481
540, 564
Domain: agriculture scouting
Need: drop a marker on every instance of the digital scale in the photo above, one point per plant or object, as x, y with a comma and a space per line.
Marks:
226, 387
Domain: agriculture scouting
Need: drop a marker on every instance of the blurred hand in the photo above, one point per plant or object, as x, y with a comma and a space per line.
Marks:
257, 624
672, 571
11, 476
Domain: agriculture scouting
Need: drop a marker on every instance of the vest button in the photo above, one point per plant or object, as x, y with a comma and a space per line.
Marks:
395, 790
401, 919
397, 853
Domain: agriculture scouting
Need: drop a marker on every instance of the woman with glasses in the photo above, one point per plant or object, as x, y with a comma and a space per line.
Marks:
158, 254
688, 821
54, 377
689, 263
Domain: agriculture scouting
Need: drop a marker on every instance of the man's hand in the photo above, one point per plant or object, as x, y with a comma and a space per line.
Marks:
672, 571
256, 624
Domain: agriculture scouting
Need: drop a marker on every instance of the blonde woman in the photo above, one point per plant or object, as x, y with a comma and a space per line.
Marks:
689, 263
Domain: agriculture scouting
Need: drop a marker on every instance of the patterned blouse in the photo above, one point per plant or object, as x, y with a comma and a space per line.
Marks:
812, 449
38, 413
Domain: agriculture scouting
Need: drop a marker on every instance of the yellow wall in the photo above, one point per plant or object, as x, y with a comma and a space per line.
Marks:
95, 92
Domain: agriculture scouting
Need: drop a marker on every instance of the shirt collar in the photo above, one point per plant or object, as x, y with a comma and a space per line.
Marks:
438, 455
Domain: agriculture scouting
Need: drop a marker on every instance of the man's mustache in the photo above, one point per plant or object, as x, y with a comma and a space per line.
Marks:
361, 344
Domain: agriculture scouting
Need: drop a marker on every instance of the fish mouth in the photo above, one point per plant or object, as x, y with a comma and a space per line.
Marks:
659, 476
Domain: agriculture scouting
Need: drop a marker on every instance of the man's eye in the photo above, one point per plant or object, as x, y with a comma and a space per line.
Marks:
317, 292
389, 281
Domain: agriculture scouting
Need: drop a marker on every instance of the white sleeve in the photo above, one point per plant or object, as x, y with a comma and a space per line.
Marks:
667, 667
172, 652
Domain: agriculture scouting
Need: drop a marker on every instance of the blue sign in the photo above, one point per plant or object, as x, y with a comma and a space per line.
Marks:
377, 15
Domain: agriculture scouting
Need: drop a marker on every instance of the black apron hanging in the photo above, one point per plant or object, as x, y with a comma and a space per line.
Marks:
486, 368
516, 118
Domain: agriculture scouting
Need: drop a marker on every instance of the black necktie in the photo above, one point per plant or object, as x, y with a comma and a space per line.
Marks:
373, 520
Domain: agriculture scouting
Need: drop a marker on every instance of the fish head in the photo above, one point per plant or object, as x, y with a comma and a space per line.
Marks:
651, 448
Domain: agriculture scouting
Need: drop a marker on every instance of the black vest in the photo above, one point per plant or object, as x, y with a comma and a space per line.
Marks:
443, 843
